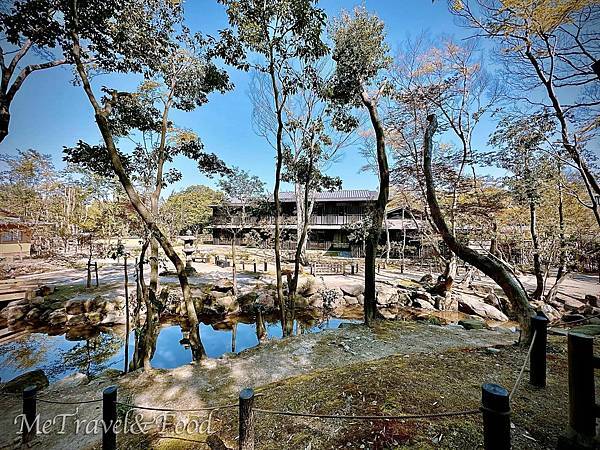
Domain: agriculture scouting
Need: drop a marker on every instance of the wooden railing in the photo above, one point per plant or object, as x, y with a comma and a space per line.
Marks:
327, 219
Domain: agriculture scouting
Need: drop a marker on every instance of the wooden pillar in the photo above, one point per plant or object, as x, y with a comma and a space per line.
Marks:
495, 407
29, 413
109, 418
246, 417
537, 362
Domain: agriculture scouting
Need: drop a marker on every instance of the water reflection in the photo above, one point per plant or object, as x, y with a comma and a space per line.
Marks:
60, 355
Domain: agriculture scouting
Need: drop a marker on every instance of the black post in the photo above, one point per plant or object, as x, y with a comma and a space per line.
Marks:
537, 362
29, 411
96, 269
246, 418
495, 407
216, 260
352, 268
109, 417
243, 265
265, 266
582, 402
254, 266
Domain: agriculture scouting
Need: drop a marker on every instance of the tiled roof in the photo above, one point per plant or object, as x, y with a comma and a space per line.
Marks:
327, 196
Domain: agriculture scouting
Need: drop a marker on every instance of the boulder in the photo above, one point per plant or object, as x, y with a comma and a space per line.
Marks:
404, 298
113, 319
472, 324
427, 278
316, 301
37, 301
493, 300
44, 290
227, 303
76, 321
58, 317
309, 287
422, 303
223, 285
34, 378
471, 304
217, 294
422, 295
266, 300
592, 300
386, 295
353, 290
75, 306
33, 315
94, 317
119, 301
550, 312
570, 304
351, 300
18, 312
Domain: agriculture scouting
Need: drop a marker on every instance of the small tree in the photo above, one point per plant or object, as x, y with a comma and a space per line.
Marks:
361, 54
242, 192
283, 33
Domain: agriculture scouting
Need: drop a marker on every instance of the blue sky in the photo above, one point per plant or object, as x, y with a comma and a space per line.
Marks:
49, 112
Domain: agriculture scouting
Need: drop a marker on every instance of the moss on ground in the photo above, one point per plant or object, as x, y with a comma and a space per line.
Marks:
413, 384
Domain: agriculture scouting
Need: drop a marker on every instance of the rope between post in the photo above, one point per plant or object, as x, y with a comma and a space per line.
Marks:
207, 408
514, 389
56, 402
398, 417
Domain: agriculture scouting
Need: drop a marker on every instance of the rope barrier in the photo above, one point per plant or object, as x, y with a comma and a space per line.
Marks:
398, 417
207, 408
514, 389
80, 402
571, 322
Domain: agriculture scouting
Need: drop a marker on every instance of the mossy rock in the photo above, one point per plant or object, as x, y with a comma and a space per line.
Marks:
472, 324
33, 378
589, 330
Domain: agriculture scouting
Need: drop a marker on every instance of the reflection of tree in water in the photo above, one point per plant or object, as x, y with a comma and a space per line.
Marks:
26, 353
92, 355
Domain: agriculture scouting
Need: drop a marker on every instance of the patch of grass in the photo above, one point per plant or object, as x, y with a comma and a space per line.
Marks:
423, 383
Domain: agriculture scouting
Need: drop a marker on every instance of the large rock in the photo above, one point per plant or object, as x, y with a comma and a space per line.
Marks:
94, 317
422, 303
592, 300
77, 306
113, 319
266, 300
571, 304
353, 290
493, 300
422, 295
18, 312
217, 294
404, 298
309, 286
427, 278
58, 317
33, 315
34, 378
471, 304
228, 303
316, 301
223, 285
386, 295
350, 300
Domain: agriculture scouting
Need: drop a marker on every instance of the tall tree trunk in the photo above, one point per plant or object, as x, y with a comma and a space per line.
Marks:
126, 363
403, 250
537, 264
370, 302
562, 258
492, 267
278, 168
302, 237
146, 216
233, 263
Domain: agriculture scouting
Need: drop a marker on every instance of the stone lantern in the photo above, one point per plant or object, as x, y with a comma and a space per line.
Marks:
188, 248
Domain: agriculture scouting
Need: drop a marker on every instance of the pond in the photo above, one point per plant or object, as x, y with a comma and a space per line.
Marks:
60, 357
